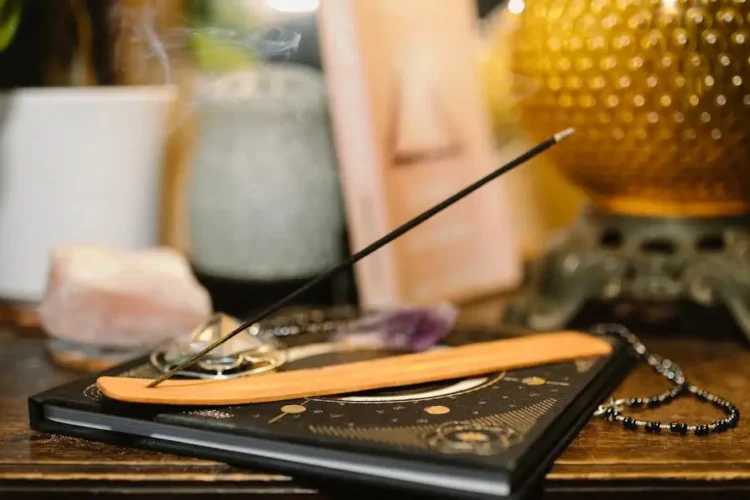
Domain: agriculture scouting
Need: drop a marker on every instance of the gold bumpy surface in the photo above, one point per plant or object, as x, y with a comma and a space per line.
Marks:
659, 94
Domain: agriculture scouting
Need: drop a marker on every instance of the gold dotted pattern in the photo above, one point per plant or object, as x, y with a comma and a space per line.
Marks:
521, 419
213, 414
405, 436
659, 94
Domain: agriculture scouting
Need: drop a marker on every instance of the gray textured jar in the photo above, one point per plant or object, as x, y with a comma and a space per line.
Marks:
264, 195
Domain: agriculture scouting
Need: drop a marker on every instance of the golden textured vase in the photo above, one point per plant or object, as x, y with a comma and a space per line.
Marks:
659, 94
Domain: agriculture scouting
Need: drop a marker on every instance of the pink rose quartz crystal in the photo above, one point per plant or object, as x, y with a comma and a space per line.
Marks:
121, 298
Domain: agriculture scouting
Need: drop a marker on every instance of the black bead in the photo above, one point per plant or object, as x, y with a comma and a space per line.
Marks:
680, 385
701, 430
670, 396
678, 427
653, 426
629, 423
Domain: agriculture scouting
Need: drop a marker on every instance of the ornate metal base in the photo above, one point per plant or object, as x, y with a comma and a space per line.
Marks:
657, 261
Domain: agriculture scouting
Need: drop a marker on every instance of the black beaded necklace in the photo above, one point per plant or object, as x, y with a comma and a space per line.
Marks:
672, 372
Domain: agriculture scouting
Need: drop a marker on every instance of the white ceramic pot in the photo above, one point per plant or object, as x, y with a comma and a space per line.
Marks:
77, 165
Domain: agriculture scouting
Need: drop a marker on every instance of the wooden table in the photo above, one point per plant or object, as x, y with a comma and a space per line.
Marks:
605, 462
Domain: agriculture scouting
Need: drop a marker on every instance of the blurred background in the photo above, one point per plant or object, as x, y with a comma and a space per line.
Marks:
218, 129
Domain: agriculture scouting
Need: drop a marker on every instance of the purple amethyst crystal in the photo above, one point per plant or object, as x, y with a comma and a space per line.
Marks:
415, 328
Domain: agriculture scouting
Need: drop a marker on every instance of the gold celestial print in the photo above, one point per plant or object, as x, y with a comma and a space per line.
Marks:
456, 438
482, 435
584, 365
437, 410
293, 409
211, 413
471, 437
290, 410
533, 381
658, 92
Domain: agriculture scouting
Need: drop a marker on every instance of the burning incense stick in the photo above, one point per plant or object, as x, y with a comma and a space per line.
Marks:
539, 148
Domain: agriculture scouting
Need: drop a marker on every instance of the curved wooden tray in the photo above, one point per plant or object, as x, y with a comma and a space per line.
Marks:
400, 370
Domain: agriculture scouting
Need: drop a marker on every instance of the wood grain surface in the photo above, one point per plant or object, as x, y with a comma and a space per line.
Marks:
605, 461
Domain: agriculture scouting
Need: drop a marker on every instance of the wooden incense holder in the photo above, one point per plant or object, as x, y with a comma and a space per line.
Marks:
395, 371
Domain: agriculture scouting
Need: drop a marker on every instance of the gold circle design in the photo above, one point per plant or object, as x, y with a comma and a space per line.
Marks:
437, 410
293, 409
534, 381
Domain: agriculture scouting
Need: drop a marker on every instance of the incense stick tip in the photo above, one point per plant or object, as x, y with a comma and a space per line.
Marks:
564, 134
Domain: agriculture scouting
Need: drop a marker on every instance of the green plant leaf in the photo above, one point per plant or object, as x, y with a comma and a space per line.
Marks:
219, 56
10, 19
